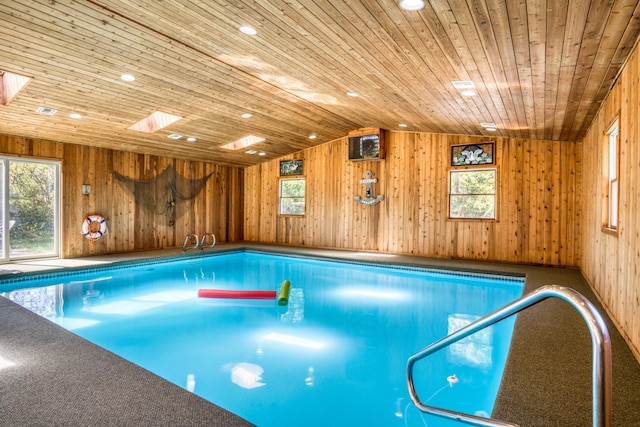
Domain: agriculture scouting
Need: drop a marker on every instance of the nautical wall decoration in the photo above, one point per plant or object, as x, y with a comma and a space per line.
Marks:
369, 200
161, 193
475, 154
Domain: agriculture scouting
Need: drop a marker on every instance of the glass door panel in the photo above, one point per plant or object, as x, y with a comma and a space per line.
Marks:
3, 224
32, 209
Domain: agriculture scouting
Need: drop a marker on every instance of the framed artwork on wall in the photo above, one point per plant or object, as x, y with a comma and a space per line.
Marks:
474, 154
290, 167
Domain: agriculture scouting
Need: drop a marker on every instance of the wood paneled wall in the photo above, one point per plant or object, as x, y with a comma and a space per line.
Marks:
216, 209
611, 263
537, 217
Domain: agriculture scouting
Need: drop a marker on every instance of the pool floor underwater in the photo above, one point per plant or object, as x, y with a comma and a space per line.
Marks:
52, 377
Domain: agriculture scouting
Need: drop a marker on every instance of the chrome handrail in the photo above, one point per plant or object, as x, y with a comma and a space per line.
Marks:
600, 345
187, 239
213, 241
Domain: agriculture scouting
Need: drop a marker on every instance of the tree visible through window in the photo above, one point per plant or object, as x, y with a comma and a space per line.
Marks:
291, 196
472, 194
30, 212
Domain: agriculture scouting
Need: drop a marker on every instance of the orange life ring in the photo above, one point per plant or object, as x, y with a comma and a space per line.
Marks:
94, 227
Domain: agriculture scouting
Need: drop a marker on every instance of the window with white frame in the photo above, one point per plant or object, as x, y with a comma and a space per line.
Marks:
291, 194
610, 167
472, 193
29, 208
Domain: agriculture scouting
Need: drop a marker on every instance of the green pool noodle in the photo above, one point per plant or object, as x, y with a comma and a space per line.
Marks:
283, 297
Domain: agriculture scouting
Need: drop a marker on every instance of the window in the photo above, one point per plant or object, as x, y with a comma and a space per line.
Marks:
610, 168
291, 195
472, 194
29, 208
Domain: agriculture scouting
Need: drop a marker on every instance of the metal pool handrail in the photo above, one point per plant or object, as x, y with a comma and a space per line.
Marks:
600, 345
204, 237
187, 239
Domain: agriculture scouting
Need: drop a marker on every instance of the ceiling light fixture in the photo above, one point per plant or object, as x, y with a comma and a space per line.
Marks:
412, 4
248, 30
313, 136
191, 139
75, 116
127, 78
403, 125
353, 94
466, 87
174, 136
251, 152
246, 115
262, 153
489, 126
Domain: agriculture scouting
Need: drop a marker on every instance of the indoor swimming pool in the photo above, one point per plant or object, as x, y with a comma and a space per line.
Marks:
335, 354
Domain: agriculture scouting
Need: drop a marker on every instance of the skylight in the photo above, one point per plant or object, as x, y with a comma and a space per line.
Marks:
243, 142
154, 122
10, 85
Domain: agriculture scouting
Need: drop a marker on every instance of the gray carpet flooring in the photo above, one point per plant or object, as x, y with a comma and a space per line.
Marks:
60, 379
63, 380
547, 378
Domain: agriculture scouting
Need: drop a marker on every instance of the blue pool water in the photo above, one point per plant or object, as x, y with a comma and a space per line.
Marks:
335, 355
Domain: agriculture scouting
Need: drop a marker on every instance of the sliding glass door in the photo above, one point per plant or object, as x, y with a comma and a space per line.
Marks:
29, 210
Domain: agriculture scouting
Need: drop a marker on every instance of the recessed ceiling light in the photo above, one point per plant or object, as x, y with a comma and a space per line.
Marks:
46, 110
174, 136
352, 94
246, 115
468, 93
402, 125
248, 30
313, 136
251, 152
75, 116
262, 153
490, 126
127, 77
191, 139
411, 4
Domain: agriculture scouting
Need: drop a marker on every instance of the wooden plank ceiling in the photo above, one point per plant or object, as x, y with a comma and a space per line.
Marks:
541, 69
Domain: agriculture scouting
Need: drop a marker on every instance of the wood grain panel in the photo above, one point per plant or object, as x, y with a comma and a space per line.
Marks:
217, 208
536, 192
541, 69
610, 261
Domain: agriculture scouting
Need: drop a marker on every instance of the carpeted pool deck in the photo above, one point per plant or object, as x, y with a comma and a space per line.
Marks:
52, 377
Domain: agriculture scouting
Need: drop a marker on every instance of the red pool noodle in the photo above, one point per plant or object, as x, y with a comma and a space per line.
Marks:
225, 293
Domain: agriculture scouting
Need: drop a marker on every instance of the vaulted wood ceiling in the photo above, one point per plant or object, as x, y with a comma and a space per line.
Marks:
541, 69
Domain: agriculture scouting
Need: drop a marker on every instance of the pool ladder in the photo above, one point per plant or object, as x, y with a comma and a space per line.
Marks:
192, 242
600, 345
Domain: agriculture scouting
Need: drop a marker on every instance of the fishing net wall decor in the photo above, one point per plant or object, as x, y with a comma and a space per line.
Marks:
160, 194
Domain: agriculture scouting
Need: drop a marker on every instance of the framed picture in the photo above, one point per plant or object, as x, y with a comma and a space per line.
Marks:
474, 154
290, 167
